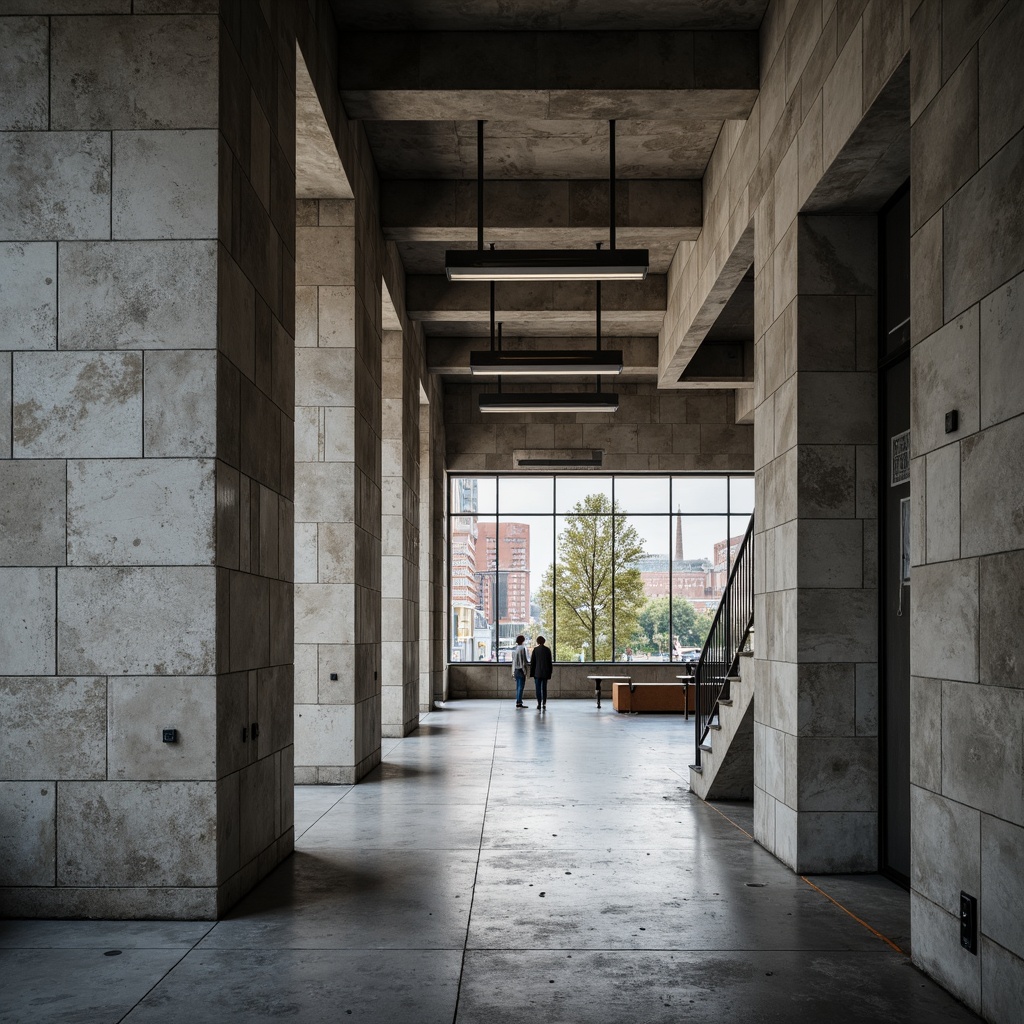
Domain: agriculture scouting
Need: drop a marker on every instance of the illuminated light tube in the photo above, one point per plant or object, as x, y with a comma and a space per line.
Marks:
553, 401
546, 264
552, 362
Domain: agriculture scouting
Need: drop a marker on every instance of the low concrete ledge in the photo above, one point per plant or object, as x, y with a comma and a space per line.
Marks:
568, 681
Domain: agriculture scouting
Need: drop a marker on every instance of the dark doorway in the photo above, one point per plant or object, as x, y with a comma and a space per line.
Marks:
894, 526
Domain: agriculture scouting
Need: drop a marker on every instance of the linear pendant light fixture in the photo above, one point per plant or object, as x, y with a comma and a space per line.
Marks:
545, 264
552, 401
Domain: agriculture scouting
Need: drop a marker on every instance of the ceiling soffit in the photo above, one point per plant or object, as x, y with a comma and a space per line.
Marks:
420, 74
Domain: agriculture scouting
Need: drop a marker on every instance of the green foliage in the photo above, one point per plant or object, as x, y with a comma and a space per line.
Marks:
576, 593
689, 627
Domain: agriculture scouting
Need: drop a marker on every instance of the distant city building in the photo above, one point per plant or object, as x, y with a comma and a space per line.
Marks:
698, 580
503, 577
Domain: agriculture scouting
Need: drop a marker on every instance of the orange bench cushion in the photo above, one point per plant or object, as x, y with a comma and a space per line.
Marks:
650, 697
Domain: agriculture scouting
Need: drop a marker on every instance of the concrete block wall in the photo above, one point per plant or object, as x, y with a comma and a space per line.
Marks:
967, 322
816, 603
827, 134
143, 504
672, 431
401, 538
338, 499
255, 443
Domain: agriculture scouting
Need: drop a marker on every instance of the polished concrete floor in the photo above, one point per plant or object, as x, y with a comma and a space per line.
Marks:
502, 866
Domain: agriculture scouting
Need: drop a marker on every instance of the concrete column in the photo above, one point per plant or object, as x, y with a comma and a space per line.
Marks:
145, 453
816, 585
967, 496
337, 517
400, 543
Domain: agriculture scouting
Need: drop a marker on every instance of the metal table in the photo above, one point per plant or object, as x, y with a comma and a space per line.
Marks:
599, 679
686, 680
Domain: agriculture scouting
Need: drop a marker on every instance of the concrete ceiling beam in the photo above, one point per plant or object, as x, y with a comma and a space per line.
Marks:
517, 211
401, 76
537, 308
435, 294
450, 356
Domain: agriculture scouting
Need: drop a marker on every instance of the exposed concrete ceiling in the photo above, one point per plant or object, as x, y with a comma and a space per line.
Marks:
460, 15
545, 76
530, 149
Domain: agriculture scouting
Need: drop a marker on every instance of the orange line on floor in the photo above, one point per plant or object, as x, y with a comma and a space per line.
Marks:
731, 822
874, 931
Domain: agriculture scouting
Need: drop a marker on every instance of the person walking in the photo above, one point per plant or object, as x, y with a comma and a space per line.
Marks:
520, 664
540, 669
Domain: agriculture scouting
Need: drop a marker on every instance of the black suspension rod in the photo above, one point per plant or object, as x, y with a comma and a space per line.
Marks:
480, 185
611, 183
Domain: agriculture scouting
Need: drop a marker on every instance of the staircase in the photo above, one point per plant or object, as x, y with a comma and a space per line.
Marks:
723, 767
726, 771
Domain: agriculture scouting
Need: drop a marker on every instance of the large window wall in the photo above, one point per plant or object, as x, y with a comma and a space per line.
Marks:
606, 568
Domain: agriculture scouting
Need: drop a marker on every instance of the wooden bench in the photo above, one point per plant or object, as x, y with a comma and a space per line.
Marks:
652, 697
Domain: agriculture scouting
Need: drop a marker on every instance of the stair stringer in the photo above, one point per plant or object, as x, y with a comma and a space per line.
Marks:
727, 769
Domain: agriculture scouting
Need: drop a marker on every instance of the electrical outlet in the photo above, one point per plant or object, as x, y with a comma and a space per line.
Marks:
952, 421
969, 923
170, 735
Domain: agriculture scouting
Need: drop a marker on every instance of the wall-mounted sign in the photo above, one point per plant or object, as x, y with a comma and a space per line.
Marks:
899, 459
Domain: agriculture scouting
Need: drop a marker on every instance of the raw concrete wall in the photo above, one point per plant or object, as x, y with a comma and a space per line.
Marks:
146, 198
967, 494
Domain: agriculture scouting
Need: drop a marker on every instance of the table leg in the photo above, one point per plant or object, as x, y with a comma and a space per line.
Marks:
597, 690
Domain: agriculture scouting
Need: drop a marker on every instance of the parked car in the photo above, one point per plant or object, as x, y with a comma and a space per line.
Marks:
689, 655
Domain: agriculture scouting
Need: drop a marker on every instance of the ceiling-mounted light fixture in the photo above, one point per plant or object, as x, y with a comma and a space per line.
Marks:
552, 362
553, 401
545, 264
556, 401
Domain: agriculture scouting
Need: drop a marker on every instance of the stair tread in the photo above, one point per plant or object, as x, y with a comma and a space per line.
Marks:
699, 769
725, 702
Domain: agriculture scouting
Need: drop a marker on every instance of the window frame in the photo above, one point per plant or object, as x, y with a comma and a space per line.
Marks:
728, 515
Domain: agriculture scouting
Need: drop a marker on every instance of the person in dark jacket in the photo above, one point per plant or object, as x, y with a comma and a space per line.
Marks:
540, 670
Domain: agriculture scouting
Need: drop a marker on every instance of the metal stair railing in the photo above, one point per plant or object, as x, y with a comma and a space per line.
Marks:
728, 634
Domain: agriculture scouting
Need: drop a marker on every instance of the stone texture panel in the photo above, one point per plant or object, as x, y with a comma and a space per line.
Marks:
136, 834
945, 143
28, 294
141, 707
1001, 612
138, 295
28, 833
28, 602
134, 73
1002, 905
140, 512
53, 727
945, 850
979, 767
164, 184
76, 201
944, 621
24, 60
33, 512
1002, 353
994, 454
925, 732
944, 375
137, 620
983, 230
180, 404
77, 405
935, 931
